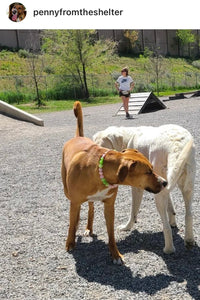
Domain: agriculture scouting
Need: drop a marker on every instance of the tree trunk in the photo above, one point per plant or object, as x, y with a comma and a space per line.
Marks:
86, 91
36, 85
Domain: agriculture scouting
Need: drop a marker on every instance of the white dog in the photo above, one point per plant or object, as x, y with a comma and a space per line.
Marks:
171, 150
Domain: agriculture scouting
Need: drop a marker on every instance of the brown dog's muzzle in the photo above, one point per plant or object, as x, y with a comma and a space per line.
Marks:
165, 183
162, 184
162, 181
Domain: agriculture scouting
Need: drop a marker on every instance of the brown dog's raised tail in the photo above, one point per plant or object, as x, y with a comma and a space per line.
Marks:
79, 115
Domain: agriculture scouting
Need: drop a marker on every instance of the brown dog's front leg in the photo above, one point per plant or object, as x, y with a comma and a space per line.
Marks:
89, 228
109, 216
74, 220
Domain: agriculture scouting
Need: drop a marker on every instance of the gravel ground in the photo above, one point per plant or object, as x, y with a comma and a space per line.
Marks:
34, 218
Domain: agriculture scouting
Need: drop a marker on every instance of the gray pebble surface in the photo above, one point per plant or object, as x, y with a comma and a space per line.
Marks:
34, 218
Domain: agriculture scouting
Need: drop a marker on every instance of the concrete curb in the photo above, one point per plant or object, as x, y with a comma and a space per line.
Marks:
19, 114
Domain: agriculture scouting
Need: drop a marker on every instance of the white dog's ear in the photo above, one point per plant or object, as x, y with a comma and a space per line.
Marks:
107, 143
102, 140
113, 141
117, 140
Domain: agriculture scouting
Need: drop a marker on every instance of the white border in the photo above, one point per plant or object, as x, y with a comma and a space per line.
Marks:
140, 14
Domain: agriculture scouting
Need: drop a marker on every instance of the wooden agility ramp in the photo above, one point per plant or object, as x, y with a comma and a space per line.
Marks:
185, 95
142, 103
14, 112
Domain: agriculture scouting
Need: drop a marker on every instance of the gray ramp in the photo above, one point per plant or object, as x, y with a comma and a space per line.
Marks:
11, 111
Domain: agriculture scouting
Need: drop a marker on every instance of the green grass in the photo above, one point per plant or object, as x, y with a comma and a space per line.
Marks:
60, 105
173, 92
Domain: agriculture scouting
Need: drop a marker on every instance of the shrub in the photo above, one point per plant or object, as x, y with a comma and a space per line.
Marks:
115, 75
196, 64
16, 97
49, 70
23, 53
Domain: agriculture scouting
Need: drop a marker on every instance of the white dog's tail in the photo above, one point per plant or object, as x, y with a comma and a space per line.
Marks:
79, 115
179, 164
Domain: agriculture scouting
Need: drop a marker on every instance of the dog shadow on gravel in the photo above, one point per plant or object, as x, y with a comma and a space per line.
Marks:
93, 264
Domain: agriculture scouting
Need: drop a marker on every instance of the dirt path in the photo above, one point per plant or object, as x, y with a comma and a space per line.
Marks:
34, 218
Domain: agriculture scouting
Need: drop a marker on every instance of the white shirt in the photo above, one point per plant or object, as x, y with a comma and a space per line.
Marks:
124, 82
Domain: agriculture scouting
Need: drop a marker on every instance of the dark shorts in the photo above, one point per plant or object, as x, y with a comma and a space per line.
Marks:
127, 95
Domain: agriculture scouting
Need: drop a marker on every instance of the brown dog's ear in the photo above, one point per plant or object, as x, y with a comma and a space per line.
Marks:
122, 173
132, 165
124, 169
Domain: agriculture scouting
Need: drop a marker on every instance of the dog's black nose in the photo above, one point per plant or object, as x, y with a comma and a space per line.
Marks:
165, 183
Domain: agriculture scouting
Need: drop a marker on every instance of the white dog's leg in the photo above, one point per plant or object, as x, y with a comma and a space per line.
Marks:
189, 238
136, 201
171, 212
162, 205
186, 185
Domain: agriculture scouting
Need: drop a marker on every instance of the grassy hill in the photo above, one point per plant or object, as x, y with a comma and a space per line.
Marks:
17, 85
11, 63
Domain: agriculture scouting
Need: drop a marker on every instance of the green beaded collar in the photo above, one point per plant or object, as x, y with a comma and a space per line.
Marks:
103, 180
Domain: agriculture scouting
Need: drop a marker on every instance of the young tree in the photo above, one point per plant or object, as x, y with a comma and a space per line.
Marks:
132, 37
186, 38
78, 50
35, 64
156, 66
34, 60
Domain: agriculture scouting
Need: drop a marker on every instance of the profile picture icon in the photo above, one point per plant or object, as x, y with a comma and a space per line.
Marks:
17, 12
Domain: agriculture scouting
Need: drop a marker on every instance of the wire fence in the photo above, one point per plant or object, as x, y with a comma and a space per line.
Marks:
66, 87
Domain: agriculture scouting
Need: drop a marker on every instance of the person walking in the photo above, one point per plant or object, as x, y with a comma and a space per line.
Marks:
124, 85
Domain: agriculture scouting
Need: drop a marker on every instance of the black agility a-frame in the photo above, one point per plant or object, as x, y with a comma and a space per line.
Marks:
142, 103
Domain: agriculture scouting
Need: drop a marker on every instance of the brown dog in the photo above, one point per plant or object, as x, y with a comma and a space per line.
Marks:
90, 172
17, 12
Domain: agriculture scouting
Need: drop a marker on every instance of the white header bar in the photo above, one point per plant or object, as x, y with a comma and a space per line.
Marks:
88, 14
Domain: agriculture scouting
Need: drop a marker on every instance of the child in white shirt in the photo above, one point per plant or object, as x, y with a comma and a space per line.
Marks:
124, 85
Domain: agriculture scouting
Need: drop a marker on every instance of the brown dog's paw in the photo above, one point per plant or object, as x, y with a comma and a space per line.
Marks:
70, 246
88, 232
119, 261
